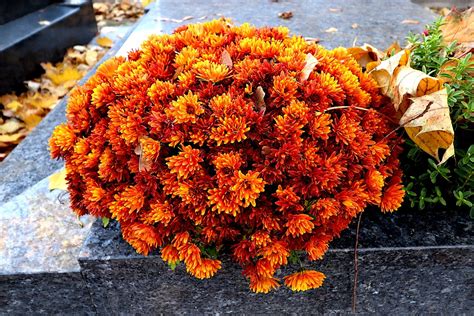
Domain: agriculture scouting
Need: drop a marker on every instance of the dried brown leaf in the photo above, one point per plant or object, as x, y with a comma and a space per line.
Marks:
331, 30
428, 124
310, 63
409, 21
285, 15
226, 59
459, 27
260, 99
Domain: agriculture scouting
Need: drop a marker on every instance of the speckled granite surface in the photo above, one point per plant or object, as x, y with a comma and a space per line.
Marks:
378, 22
436, 279
40, 233
408, 262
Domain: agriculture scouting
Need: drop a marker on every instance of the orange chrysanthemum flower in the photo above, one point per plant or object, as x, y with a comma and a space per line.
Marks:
248, 187
209, 71
263, 284
206, 269
304, 280
216, 137
392, 197
185, 109
299, 224
185, 163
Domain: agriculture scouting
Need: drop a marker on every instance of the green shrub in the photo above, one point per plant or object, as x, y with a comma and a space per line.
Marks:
452, 183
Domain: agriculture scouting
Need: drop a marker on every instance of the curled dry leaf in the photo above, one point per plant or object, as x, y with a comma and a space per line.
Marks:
393, 49
143, 163
311, 62
7, 139
11, 126
365, 54
421, 103
383, 73
428, 124
91, 57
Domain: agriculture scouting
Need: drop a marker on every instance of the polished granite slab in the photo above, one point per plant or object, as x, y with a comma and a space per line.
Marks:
335, 23
409, 262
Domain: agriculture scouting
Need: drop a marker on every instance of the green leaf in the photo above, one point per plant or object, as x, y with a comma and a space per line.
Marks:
173, 265
105, 221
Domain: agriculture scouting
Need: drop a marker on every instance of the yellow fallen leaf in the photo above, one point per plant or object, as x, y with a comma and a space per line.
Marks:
31, 120
58, 180
11, 138
145, 3
10, 126
7, 98
105, 42
61, 77
41, 101
428, 124
311, 62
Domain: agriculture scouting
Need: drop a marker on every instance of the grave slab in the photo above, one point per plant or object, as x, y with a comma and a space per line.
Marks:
404, 267
409, 262
378, 23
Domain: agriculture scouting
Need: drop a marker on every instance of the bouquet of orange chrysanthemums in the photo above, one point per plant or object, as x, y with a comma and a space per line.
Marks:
230, 138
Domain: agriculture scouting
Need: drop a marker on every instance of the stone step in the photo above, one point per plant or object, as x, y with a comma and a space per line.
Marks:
10, 10
39, 36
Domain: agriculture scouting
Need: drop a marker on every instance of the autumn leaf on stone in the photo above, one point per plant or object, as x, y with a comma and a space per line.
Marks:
104, 41
62, 75
57, 181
